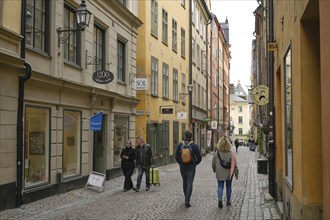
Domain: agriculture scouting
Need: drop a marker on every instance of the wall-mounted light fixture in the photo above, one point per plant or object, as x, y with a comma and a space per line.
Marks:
83, 17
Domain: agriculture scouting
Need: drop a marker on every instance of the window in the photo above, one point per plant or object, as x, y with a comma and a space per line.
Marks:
240, 131
99, 48
71, 143
120, 137
194, 93
154, 17
240, 109
193, 52
121, 61
72, 45
183, 87
199, 95
174, 35
36, 146
198, 56
165, 80
240, 120
175, 85
183, 43
154, 76
37, 18
288, 117
164, 27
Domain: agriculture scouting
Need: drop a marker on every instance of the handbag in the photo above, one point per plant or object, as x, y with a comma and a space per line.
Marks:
236, 172
223, 163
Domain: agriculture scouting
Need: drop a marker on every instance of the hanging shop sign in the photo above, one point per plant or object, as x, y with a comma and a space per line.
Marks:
103, 76
96, 122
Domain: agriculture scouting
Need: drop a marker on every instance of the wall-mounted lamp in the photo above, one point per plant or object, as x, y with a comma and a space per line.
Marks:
83, 17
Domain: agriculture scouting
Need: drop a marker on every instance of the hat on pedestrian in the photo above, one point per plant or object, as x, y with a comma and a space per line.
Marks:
187, 134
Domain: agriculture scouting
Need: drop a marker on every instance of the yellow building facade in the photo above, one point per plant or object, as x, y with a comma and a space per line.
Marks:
301, 97
163, 75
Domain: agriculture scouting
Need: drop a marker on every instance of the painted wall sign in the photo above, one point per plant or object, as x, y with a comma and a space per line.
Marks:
141, 84
103, 76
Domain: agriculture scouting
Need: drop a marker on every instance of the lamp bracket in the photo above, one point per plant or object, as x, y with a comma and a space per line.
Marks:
92, 60
62, 39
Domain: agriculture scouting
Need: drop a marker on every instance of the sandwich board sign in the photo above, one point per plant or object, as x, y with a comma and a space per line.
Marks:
95, 181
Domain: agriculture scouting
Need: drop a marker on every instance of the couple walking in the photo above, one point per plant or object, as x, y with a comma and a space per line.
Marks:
223, 175
142, 158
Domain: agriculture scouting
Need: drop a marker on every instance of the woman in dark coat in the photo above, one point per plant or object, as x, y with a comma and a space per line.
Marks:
128, 165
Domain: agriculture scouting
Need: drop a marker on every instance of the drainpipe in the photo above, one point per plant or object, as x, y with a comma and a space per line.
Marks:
22, 79
271, 113
191, 124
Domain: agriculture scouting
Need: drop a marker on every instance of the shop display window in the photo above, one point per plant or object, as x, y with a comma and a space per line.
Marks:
71, 143
36, 146
121, 136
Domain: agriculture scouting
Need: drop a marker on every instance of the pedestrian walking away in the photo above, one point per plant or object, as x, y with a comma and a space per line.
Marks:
188, 168
127, 164
223, 165
236, 144
143, 159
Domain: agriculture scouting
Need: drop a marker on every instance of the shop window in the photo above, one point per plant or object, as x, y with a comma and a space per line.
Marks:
71, 143
121, 136
36, 146
288, 117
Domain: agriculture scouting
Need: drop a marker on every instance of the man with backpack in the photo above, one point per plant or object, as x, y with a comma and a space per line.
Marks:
188, 156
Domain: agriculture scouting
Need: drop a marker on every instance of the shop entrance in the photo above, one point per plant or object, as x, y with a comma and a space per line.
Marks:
99, 148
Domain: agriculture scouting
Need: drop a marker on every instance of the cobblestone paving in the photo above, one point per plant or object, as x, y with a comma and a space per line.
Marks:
161, 202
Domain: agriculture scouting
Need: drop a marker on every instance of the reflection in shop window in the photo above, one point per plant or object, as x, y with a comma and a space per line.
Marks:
71, 143
36, 146
121, 136
288, 117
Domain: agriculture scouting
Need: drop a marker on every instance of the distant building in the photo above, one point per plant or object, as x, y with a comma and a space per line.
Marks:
239, 112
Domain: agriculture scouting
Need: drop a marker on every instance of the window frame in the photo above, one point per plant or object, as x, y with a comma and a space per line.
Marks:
75, 37
174, 35
154, 76
165, 81
79, 145
164, 26
45, 26
154, 18
175, 85
288, 121
99, 44
121, 56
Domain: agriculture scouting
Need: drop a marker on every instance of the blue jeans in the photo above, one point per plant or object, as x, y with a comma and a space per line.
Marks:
228, 189
188, 175
142, 169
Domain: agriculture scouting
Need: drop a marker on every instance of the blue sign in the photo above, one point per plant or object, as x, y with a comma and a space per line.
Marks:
96, 122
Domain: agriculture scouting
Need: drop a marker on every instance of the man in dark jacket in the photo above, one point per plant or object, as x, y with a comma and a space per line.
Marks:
143, 160
188, 170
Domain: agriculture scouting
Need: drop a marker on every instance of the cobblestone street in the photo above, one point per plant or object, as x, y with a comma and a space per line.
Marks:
250, 199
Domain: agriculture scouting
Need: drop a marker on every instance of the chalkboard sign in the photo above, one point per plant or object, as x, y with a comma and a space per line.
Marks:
95, 181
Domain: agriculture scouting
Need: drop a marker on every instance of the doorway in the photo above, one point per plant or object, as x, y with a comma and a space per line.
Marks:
99, 148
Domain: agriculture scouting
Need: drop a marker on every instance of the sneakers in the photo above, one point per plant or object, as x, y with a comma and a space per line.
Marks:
187, 205
136, 189
228, 204
220, 204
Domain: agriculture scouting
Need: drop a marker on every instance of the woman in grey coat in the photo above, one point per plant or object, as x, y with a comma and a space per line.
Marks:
224, 173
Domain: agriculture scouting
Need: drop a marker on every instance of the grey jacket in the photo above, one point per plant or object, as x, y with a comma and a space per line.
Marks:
221, 173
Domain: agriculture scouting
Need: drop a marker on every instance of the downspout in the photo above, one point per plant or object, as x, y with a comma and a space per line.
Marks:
271, 113
22, 79
191, 124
